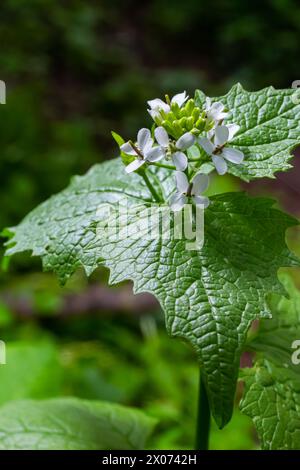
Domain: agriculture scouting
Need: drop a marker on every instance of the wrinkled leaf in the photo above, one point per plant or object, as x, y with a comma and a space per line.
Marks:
269, 129
272, 395
210, 297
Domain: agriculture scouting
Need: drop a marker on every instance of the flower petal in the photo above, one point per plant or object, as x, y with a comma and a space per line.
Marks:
207, 103
233, 155
157, 104
134, 165
177, 201
210, 133
200, 184
128, 149
233, 129
180, 160
155, 154
181, 181
220, 116
180, 98
201, 201
217, 107
220, 164
185, 141
216, 111
153, 113
161, 136
148, 146
221, 135
143, 137
207, 145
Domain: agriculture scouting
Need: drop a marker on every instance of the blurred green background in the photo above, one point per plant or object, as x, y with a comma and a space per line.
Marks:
74, 71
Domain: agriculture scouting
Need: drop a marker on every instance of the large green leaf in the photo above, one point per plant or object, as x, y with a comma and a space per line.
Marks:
210, 297
269, 129
272, 395
72, 424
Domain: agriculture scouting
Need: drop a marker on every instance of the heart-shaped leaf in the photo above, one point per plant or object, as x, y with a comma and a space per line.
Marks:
210, 296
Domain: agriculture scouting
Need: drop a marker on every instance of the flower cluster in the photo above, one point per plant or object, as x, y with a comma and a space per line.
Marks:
185, 136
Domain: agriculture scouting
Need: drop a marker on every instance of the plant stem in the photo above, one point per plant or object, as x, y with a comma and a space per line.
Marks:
162, 165
203, 418
150, 187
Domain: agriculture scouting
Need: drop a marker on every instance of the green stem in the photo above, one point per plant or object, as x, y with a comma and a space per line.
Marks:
203, 418
150, 187
162, 165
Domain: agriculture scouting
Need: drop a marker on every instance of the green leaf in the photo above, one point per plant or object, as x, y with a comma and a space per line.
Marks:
272, 400
269, 129
277, 334
210, 297
272, 394
72, 424
118, 139
126, 159
31, 371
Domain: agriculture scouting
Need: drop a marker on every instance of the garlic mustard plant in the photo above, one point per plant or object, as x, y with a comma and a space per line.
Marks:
211, 295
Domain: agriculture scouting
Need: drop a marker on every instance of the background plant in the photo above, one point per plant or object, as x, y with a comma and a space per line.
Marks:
77, 89
209, 299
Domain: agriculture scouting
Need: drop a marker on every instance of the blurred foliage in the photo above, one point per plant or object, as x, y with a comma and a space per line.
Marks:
45, 374
74, 71
124, 362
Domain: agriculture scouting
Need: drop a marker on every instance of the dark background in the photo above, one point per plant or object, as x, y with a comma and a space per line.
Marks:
75, 70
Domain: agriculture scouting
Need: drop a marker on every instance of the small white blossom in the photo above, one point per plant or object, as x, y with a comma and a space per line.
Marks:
180, 98
143, 152
216, 147
185, 189
157, 105
183, 143
215, 111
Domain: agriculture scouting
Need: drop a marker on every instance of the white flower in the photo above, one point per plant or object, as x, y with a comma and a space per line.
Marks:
186, 189
183, 143
217, 149
157, 105
180, 98
143, 151
215, 111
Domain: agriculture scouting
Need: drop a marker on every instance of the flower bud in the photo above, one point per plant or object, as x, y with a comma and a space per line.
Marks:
176, 111
182, 122
189, 123
177, 130
189, 107
200, 124
167, 126
196, 114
